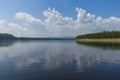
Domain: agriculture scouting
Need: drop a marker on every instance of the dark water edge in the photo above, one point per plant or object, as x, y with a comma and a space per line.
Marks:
58, 60
103, 45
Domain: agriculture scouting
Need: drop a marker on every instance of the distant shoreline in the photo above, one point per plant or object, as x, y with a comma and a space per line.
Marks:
45, 38
9, 37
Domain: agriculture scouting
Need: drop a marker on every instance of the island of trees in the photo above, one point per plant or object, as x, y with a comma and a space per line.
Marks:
106, 36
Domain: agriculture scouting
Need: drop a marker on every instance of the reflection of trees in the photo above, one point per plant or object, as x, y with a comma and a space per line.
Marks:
6, 43
105, 45
54, 55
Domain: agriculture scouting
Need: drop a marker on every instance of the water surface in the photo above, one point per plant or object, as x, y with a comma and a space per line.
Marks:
58, 60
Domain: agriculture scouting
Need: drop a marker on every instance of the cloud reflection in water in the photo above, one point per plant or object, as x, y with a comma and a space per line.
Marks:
51, 55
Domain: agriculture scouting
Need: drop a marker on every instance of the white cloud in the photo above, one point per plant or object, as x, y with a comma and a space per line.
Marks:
27, 17
2, 21
3, 26
17, 27
96, 23
55, 24
83, 17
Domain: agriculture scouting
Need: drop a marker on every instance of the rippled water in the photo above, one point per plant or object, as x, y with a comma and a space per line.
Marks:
58, 60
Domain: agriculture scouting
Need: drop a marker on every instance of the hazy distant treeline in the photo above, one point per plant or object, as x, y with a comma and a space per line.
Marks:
105, 34
7, 37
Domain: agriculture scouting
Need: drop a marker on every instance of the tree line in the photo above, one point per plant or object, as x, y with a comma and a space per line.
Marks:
104, 34
5, 36
8, 37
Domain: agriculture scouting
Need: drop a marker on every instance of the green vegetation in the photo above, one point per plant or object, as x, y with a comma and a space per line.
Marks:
100, 35
113, 40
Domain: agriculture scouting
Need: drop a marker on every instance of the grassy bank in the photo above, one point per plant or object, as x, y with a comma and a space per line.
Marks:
115, 40
100, 35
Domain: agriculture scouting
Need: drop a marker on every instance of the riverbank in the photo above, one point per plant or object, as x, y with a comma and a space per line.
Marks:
115, 40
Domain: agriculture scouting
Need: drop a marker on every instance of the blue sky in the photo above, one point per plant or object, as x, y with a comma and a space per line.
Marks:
74, 13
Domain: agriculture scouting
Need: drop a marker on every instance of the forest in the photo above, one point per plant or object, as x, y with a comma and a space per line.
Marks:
100, 35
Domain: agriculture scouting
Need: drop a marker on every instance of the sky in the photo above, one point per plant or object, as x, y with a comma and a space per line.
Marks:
58, 18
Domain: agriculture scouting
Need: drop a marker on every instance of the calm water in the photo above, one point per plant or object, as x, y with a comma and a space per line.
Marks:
58, 60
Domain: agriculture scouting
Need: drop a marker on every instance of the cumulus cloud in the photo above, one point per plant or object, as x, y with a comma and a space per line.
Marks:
55, 24
27, 17
83, 17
